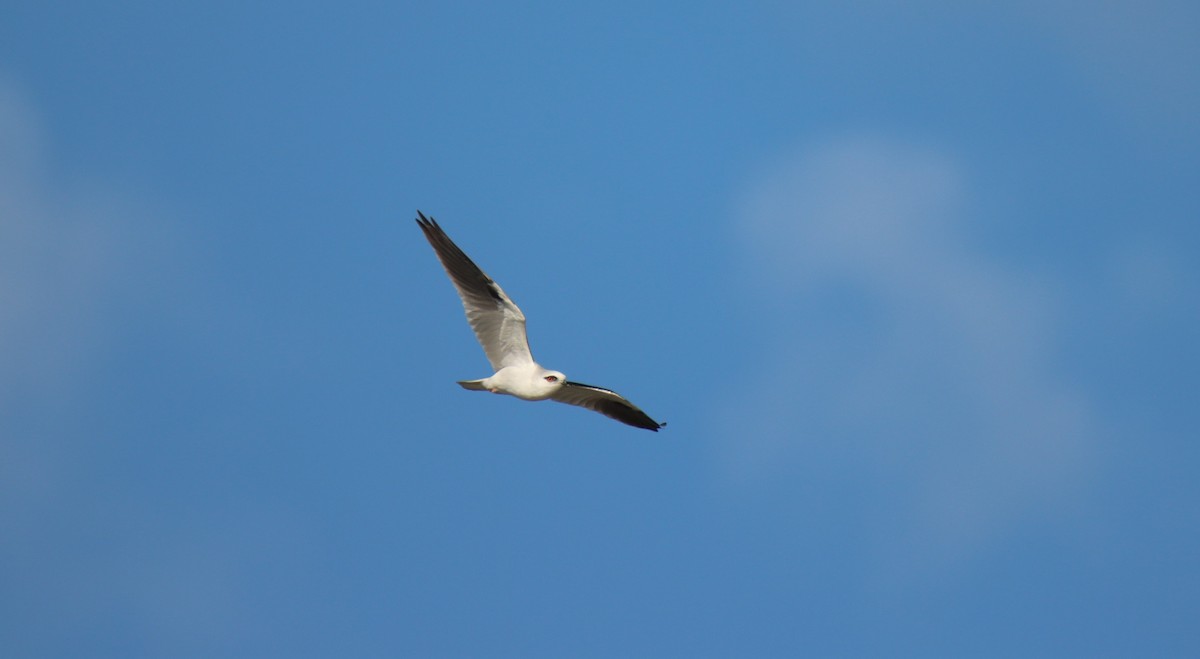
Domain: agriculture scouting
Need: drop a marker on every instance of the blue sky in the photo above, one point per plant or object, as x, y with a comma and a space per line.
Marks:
915, 287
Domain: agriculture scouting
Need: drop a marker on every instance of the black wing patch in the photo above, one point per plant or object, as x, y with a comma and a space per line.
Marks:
460, 266
494, 292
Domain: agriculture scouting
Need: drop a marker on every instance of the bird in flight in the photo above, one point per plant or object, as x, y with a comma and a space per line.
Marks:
500, 327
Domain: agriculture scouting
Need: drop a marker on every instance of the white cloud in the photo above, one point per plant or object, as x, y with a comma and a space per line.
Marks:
901, 354
71, 254
52, 269
80, 261
63, 250
1152, 279
1139, 58
1144, 56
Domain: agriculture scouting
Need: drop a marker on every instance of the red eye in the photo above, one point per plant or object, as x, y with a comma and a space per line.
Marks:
551, 378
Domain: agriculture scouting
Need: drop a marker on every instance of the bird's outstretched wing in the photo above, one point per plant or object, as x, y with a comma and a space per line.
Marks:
609, 403
498, 323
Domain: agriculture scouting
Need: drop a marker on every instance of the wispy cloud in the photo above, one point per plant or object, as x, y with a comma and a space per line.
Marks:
1144, 56
65, 248
899, 355
72, 255
56, 261
80, 261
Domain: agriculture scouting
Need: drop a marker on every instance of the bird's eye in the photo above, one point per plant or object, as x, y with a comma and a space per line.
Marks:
551, 378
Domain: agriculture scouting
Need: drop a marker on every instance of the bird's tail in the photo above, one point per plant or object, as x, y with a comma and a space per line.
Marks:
473, 385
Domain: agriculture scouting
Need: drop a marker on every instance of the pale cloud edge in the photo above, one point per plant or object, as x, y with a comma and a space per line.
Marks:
82, 262
945, 394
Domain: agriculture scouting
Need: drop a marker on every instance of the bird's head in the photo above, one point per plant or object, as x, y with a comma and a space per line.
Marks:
552, 380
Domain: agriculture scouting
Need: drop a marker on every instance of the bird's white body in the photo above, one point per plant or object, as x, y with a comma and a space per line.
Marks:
525, 381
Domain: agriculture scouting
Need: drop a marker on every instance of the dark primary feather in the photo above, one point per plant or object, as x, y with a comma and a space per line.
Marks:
607, 402
497, 322
468, 276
